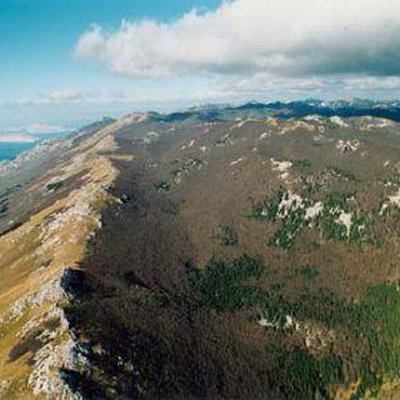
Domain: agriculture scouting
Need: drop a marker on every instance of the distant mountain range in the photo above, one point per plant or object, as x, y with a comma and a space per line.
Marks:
287, 110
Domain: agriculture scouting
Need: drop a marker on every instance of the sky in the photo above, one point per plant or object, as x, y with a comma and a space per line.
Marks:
67, 62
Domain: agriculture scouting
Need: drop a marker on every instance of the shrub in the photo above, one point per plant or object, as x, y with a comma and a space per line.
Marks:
304, 375
227, 236
343, 173
53, 187
307, 272
222, 286
162, 186
3, 208
285, 234
302, 163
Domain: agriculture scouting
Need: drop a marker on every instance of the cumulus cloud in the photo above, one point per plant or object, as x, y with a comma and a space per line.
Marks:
287, 38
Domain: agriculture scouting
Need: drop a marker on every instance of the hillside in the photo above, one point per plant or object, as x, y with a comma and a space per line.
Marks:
216, 253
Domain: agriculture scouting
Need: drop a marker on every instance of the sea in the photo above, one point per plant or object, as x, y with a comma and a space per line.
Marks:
8, 151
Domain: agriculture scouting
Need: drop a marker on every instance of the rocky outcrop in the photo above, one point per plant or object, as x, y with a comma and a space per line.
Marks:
37, 348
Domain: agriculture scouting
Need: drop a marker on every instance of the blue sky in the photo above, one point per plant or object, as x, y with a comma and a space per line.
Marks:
37, 40
67, 62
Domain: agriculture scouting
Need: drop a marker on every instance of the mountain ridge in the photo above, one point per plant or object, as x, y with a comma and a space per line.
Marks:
176, 254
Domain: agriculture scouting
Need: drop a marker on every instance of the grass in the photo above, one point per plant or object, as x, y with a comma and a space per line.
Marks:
21, 263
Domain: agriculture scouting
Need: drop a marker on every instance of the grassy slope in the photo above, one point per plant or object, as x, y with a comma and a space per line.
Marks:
35, 255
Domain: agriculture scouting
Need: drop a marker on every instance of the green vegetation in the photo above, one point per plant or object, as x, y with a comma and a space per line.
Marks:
334, 205
193, 162
3, 208
223, 286
257, 211
328, 222
307, 272
227, 236
339, 200
162, 186
361, 231
361, 225
53, 187
224, 140
268, 209
4, 205
343, 173
285, 234
376, 319
310, 186
290, 223
302, 163
330, 228
372, 322
307, 375
272, 207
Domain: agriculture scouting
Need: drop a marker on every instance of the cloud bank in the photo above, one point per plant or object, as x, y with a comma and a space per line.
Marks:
31, 133
17, 138
280, 38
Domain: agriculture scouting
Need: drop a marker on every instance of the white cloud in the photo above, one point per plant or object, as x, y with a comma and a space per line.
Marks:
44, 129
60, 97
36, 129
277, 37
64, 96
68, 97
17, 138
263, 87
